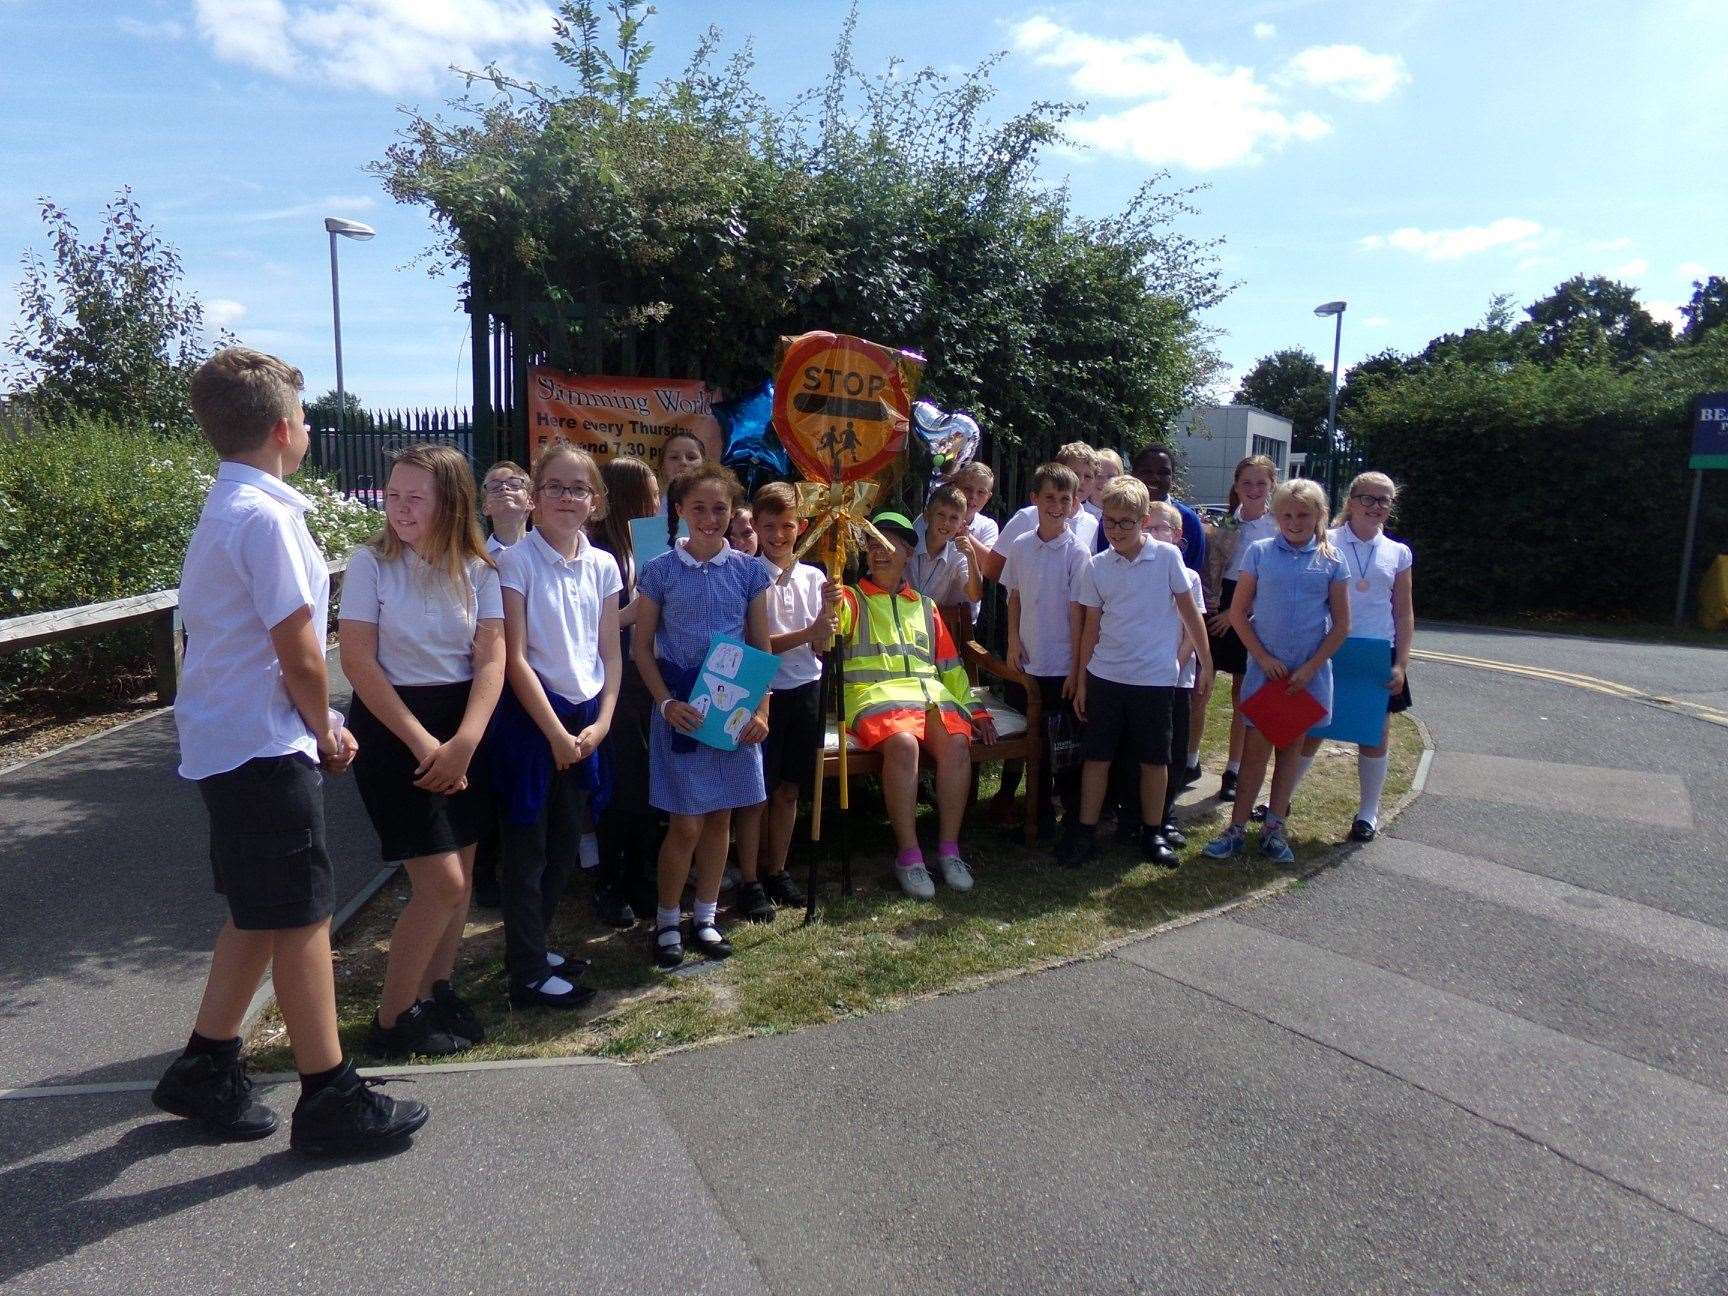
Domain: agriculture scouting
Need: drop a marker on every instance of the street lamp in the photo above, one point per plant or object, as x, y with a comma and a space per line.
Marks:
335, 225
1336, 310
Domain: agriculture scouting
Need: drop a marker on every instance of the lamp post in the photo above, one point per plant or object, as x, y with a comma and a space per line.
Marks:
1336, 310
334, 226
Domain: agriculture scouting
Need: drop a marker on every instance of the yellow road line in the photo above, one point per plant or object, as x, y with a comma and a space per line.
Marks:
1697, 710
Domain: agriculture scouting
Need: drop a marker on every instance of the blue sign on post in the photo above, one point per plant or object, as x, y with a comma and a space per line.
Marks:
1710, 431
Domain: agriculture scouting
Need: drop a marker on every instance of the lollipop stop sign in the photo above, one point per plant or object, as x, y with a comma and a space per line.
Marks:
841, 406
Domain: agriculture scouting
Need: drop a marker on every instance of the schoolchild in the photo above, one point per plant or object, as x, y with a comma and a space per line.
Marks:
942, 566
505, 502
682, 452
1077, 457
1167, 526
1250, 519
978, 483
741, 532
1044, 625
423, 645
903, 687
801, 621
629, 827
1155, 469
1291, 611
1138, 605
700, 588
1381, 607
255, 724
561, 644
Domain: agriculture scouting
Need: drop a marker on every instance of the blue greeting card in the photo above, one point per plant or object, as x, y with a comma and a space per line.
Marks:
648, 537
730, 686
1360, 669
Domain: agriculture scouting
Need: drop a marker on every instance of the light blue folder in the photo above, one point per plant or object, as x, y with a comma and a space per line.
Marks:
730, 686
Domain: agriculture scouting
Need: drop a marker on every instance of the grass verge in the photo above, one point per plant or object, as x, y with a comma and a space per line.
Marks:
865, 953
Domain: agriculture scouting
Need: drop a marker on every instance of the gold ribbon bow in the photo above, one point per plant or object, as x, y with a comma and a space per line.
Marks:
843, 505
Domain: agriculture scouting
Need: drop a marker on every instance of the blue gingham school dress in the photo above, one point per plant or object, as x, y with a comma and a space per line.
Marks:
1292, 610
699, 600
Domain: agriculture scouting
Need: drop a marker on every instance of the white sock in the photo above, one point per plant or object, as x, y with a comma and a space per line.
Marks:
1371, 774
555, 985
1233, 767
704, 914
668, 918
554, 960
588, 851
1302, 765
1193, 756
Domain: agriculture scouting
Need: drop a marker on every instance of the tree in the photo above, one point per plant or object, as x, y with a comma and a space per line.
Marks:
1708, 307
107, 329
321, 412
1294, 385
1591, 320
883, 204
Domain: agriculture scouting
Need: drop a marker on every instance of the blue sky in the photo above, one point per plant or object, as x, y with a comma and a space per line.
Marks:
1414, 158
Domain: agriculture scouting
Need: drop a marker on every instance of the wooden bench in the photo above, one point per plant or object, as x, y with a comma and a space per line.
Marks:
1017, 733
160, 611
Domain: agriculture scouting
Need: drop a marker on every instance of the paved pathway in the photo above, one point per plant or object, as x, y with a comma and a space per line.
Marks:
1488, 1053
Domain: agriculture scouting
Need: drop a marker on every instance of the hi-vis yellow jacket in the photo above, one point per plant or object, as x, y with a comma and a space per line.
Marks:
897, 661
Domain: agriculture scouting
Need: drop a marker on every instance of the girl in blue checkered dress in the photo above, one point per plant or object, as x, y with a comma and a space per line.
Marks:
698, 589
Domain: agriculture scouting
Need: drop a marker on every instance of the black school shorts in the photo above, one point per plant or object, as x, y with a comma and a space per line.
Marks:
1130, 717
267, 842
794, 736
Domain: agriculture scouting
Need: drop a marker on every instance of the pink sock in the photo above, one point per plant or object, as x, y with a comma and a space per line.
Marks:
947, 850
911, 857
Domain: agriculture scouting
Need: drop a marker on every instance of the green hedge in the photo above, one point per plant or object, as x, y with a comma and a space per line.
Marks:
91, 511
1531, 489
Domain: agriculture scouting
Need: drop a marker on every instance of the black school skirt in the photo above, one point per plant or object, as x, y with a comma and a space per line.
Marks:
1229, 654
411, 821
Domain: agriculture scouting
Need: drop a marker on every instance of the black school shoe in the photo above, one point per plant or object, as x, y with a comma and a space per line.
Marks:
669, 956
706, 939
535, 995
1363, 831
1155, 848
455, 1013
752, 904
611, 908
1077, 847
349, 1116
782, 890
420, 1029
1227, 787
217, 1093
1173, 835
1190, 777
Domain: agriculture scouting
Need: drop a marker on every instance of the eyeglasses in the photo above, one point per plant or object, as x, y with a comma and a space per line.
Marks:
1373, 501
1161, 528
1122, 523
503, 484
557, 490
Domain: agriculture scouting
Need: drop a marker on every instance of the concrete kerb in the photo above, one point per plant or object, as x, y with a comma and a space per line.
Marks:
1339, 854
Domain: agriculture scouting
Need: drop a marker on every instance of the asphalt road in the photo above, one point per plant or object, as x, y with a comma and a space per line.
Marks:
1486, 1053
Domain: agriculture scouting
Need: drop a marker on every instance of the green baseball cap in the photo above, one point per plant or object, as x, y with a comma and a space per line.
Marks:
896, 525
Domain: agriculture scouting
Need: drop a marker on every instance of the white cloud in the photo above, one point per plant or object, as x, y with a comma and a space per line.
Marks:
1633, 269
223, 311
335, 205
1454, 244
1668, 312
166, 30
1348, 71
388, 46
1691, 270
1264, 31
1198, 115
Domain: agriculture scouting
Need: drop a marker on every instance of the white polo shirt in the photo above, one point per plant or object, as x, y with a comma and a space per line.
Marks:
1191, 667
425, 624
251, 564
1263, 527
1377, 561
794, 603
941, 577
1042, 572
1138, 628
563, 599
1082, 524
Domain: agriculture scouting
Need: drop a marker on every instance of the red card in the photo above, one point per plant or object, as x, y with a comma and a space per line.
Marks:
1283, 716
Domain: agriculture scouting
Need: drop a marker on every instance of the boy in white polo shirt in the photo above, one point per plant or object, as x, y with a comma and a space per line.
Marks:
255, 724
801, 619
1137, 605
1044, 622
